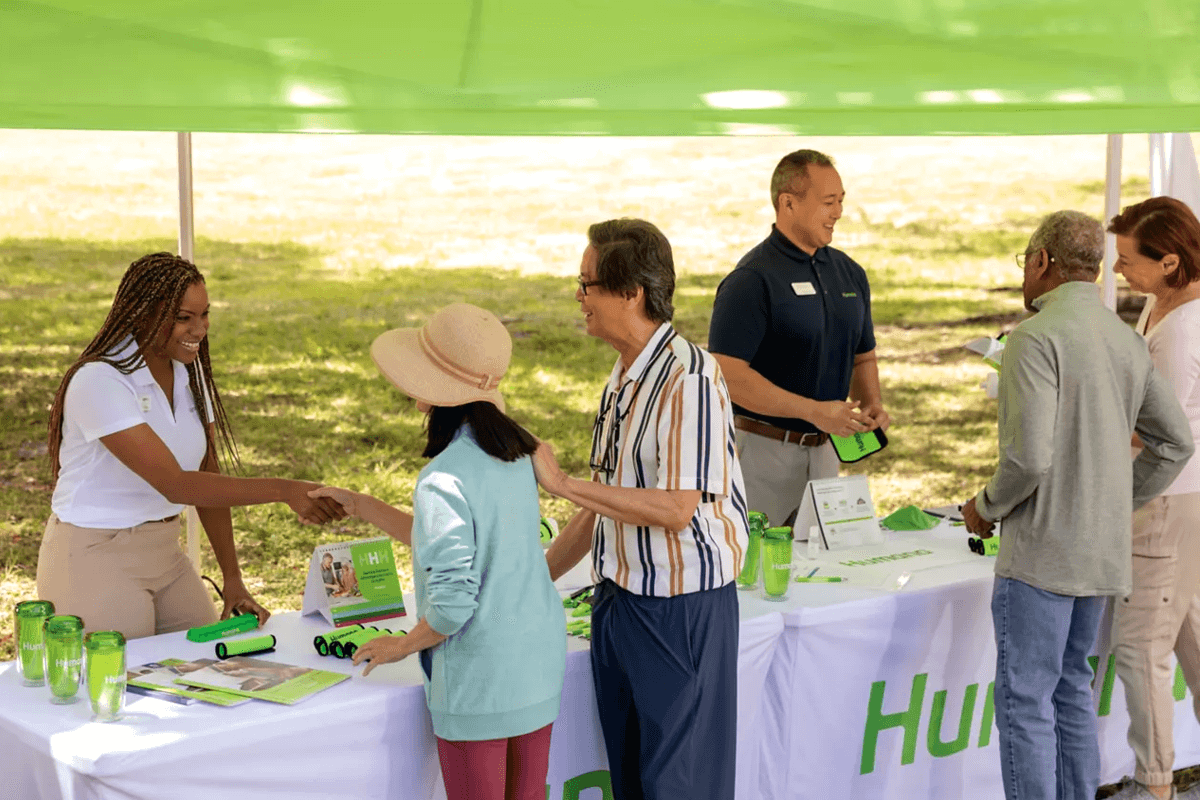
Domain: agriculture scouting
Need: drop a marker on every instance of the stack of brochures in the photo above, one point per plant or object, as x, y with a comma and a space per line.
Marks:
230, 682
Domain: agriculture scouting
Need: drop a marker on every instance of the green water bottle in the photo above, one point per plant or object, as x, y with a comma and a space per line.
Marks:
777, 562
29, 620
105, 674
748, 578
64, 657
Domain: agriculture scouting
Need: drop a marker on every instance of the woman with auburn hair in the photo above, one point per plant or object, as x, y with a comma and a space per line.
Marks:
132, 440
1158, 248
491, 632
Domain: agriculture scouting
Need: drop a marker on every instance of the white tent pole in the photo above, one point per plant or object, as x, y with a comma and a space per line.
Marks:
1159, 159
187, 249
1112, 206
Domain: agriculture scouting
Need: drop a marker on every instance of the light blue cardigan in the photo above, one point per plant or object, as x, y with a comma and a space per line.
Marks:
481, 579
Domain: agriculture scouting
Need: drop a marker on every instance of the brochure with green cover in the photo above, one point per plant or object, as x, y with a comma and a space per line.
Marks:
158, 678
257, 678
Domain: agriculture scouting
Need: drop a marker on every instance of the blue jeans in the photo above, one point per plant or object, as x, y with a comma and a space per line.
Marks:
1044, 712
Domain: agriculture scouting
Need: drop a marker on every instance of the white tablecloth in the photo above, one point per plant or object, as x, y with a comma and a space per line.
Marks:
809, 670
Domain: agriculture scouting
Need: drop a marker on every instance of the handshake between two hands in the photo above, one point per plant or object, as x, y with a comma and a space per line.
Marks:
316, 504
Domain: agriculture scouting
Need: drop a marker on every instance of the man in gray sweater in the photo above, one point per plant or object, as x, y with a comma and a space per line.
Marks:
1075, 384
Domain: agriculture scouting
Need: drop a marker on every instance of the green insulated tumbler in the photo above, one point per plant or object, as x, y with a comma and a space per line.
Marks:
748, 578
777, 562
64, 657
105, 674
29, 621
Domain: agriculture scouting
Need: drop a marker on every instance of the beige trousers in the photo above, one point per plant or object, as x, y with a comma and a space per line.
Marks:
133, 580
1160, 616
776, 473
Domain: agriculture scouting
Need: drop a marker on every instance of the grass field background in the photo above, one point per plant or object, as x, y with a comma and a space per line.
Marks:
313, 245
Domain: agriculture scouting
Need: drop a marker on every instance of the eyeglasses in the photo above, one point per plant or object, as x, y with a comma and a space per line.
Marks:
1021, 258
583, 285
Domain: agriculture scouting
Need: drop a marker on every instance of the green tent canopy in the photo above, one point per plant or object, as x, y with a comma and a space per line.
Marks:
658, 67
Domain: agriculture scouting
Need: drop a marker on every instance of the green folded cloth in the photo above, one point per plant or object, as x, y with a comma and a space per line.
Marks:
909, 518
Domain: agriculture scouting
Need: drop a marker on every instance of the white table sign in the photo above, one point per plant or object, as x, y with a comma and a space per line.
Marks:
840, 511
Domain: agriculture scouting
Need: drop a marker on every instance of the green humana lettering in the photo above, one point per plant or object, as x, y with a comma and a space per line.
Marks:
989, 715
598, 779
938, 748
1106, 688
877, 722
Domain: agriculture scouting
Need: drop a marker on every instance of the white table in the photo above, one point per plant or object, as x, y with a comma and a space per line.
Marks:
807, 668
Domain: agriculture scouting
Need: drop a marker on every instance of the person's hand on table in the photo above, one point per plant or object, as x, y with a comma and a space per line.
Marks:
841, 418
344, 498
382, 650
545, 467
975, 523
237, 598
313, 511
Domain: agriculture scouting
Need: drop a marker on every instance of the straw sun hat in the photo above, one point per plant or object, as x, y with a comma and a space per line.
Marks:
457, 358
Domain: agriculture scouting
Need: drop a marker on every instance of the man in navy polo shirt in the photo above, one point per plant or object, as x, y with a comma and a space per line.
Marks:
791, 328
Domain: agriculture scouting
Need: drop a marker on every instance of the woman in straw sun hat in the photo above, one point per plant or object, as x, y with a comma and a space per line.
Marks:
491, 631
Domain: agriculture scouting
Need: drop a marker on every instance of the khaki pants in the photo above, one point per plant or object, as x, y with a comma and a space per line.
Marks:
776, 473
133, 580
1160, 616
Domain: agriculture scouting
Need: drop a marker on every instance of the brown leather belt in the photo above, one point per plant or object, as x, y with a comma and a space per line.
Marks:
164, 519
779, 434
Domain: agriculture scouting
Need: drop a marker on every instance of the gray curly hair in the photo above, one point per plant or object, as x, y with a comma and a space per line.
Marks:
1074, 240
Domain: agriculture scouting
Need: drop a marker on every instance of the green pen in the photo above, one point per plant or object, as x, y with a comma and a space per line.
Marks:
819, 579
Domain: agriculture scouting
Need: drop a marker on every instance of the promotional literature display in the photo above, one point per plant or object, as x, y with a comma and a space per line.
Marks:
256, 678
838, 513
353, 582
157, 679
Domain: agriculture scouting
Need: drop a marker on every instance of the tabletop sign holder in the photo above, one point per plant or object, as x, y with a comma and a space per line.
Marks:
351, 582
839, 513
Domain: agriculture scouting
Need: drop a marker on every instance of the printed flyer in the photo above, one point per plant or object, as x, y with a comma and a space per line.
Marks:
158, 678
256, 678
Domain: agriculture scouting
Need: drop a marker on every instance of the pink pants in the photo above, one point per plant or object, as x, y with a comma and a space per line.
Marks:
496, 769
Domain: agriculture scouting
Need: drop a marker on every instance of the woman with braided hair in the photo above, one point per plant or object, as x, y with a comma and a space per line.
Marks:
132, 440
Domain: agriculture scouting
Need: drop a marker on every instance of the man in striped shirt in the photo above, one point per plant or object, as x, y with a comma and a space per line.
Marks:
664, 518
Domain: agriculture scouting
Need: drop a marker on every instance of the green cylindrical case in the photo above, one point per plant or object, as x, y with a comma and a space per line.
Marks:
349, 646
325, 641
226, 627
338, 648
245, 647
777, 561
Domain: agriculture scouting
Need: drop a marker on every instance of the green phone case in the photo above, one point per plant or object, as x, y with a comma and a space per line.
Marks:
857, 447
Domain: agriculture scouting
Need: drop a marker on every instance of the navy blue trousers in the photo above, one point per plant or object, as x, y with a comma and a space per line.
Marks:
665, 670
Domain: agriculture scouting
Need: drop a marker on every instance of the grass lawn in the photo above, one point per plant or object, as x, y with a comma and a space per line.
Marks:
314, 245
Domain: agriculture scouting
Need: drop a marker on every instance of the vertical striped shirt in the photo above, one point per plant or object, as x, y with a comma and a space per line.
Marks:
667, 423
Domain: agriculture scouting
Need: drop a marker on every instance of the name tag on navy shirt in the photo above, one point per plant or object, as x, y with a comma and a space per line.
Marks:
802, 288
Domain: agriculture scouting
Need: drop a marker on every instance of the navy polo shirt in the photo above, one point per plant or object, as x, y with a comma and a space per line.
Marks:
798, 320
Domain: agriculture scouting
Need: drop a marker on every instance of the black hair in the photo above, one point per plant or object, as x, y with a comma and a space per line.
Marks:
498, 435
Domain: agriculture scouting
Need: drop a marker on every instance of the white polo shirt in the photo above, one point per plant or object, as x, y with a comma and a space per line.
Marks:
94, 489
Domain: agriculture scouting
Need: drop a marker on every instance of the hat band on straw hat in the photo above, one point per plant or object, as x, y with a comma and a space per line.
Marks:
478, 379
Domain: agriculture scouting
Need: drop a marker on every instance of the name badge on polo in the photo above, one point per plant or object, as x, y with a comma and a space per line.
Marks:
802, 288
144, 403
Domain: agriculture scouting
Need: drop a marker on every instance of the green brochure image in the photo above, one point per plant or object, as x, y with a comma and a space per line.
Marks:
351, 582
857, 447
257, 678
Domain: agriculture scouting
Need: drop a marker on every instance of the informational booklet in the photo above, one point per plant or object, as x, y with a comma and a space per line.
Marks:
351, 582
257, 678
157, 679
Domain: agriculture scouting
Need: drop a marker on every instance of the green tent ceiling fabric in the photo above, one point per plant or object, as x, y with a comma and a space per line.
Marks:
654, 67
